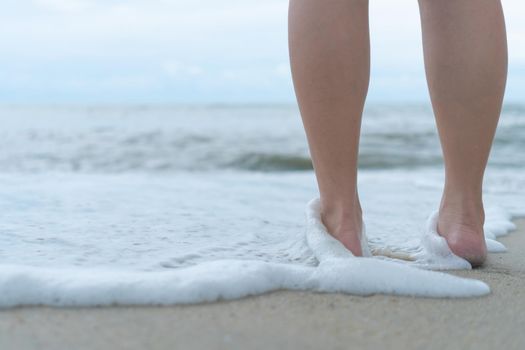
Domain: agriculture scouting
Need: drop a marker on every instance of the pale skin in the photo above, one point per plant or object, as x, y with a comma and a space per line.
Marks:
465, 54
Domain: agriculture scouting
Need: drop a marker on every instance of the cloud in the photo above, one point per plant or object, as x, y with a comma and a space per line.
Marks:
66, 6
98, 48
177, 69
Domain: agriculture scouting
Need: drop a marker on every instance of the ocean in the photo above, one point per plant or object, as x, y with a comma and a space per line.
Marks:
183, 204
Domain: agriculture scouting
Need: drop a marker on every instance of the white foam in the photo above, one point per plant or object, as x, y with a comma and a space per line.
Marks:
222, 280
489, 234
323, 245
78, 239
494, 246
340, 271
364, 276
208, 281
438, 254
500, 227
435, 252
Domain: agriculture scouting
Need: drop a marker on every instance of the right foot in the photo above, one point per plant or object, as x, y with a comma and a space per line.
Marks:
463, 230
345, 225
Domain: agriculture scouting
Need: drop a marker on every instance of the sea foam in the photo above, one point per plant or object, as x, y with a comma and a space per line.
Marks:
78, 239
222, 280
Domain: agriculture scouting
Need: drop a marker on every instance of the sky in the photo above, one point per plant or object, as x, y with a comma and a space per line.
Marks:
198, 51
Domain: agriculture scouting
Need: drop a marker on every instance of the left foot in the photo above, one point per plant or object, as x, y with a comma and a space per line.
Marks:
462, 227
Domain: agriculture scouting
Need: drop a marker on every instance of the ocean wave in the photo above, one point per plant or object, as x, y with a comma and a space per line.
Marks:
271, 162
158, 140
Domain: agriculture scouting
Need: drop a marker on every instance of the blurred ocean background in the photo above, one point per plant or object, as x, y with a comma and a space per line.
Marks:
265, 138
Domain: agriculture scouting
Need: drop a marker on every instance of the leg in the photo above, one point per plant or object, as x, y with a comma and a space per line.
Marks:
466, 63
330, 59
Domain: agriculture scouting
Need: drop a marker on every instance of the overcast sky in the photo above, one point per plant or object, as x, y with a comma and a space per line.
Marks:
197, 51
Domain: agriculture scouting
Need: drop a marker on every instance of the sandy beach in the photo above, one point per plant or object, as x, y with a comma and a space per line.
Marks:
295, 320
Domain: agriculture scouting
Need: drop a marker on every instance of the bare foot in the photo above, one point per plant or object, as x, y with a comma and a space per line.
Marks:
462, 227
345, 224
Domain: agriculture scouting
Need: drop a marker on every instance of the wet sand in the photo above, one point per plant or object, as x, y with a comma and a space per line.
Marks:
295, 320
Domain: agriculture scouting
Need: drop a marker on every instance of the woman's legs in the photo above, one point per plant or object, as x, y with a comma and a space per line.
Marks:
466, 63
330, 59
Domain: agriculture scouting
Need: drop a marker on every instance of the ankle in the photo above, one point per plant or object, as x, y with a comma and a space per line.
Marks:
342, 215
462, 193
465, 207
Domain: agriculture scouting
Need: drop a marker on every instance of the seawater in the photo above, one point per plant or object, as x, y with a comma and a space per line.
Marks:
163, 205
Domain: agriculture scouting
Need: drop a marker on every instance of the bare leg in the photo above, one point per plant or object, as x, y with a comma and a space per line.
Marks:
330, 59
466, 63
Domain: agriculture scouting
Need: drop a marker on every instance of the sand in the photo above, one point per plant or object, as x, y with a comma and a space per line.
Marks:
295, 320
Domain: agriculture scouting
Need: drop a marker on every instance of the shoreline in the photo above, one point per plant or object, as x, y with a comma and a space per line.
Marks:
289, 320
